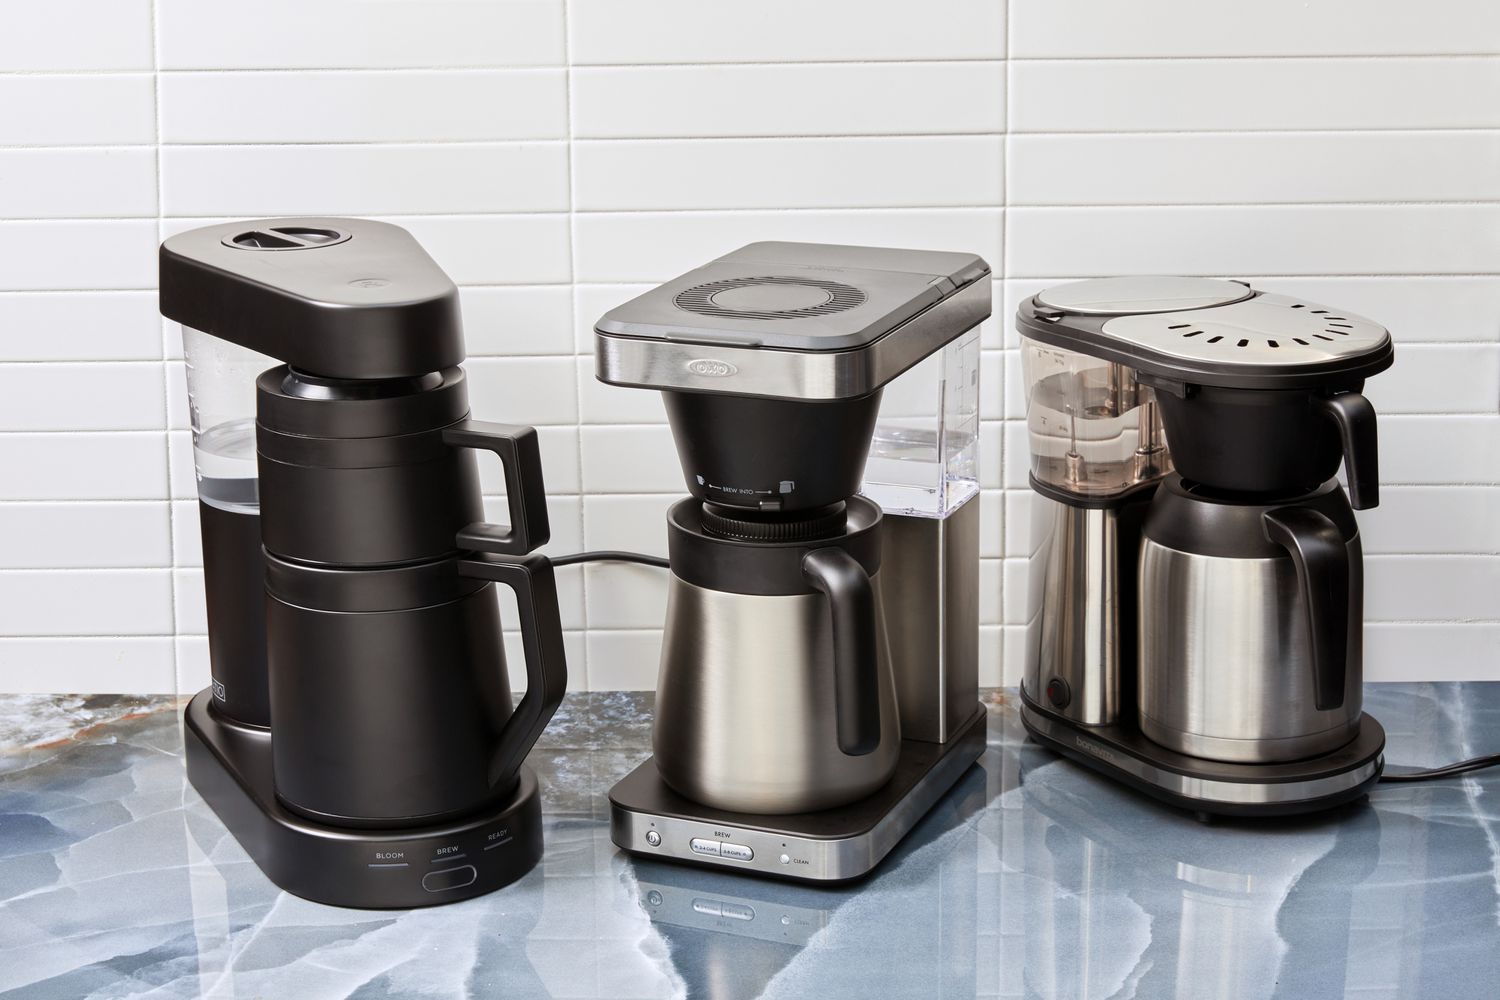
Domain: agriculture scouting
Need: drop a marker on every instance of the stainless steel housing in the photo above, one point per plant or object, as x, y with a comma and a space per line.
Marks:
930, 566
745, 705
1225, 658
1074, 615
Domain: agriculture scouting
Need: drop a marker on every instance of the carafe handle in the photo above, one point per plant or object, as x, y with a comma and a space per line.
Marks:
856, 675
521, 456
529, 576
542, 642
1321, 558
1355, 418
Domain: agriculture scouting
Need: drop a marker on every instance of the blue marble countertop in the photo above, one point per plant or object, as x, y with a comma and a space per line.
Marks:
1033, 878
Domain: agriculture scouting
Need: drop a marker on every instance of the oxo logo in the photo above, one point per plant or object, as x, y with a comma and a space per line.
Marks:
711, 368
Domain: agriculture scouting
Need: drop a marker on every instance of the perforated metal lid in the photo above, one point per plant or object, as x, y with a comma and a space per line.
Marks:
1141, 294
1256, 340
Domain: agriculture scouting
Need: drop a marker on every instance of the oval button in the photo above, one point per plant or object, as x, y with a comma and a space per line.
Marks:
449, 878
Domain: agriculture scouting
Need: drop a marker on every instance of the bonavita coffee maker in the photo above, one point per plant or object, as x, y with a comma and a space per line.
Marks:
1196, 595
818, 683
359, 738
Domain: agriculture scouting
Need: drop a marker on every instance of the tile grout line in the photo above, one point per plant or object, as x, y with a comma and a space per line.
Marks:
166, 430
583, 576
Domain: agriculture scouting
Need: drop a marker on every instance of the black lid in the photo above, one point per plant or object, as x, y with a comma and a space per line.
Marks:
1248, 340
343, 298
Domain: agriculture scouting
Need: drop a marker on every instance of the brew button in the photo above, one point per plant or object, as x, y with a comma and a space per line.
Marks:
653, 838
738, 911
449, 878
704, 846
736, 851
708, 907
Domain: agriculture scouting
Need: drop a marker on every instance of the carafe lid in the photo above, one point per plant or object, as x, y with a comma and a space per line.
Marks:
1248, 339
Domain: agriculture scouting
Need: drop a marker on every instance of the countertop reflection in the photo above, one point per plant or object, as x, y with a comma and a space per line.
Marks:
1033, 878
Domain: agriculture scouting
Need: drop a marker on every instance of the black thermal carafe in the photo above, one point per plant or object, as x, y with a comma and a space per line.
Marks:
359, 737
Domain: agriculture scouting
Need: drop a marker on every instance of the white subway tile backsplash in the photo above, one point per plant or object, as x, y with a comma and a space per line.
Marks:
1433, 519
378, 106
189, 611
332, 180
192, 664
1179, 95
692, 102
990, 591
653, 247
66, 110
523, 390
1432, 588
683, 31
187, 538
787, 173
85, 602
623, 661
1438, 449
1446, 652
288, 34
1345, 154
507, 322
78, 183
624, 596
88, 664
84, 535
78, 255
1078, 28
83, 467
599, 403
125, 396
1439, 378
495, 249
79, 326
573, 652
1242, 168
1336, 239
180, 471
629, 460
633, 523
76, 35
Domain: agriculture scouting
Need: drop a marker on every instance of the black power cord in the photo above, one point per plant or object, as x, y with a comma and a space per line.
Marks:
1447, 771
609, 555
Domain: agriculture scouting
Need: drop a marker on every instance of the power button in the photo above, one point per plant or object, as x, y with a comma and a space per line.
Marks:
653, 838
1058, 693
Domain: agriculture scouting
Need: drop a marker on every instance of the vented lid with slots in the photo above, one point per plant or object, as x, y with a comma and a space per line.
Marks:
1248, 339
865, 313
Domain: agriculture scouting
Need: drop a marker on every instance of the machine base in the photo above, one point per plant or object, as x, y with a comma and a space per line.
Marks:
230, 766
1214, 787
833, 845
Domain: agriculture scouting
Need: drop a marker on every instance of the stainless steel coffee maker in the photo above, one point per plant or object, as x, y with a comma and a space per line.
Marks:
1196, 594
819, 672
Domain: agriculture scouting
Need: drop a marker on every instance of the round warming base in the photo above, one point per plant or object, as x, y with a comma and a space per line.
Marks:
230, 766
1215, 787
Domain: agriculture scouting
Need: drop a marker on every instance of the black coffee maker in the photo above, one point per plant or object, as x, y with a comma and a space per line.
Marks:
359, 737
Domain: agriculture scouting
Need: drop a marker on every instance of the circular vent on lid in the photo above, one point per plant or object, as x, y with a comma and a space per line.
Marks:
769, 297
285, 238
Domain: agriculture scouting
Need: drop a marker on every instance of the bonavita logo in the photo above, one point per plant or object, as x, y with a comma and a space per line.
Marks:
1093, 750
711, 368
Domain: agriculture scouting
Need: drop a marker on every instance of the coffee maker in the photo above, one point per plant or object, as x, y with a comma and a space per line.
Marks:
819, 677
1195, 608
359, 738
